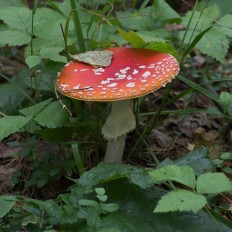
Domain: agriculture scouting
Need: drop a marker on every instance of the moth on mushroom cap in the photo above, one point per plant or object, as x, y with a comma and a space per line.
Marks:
133, 72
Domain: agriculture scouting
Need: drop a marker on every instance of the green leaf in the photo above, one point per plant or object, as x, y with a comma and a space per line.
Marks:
6, 205
100, 191
86, 202
8, 3
32, 61
213, 183
180, 200
142, 19
17, 18
110, 207
162, 47
181, 174
226, 156
35, 109
199, 160
225, 98
136, 212
12, 124
102, 198
153, 36
224, 25
57, 134
14, 38
106, 172
164, 11
53, 54
132, 38
52, 116
214, 43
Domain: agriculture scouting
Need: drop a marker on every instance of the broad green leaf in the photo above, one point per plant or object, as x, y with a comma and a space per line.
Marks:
17, 18
51, 30
53, 54
180, 200
142, 19
14, 38
136, 212
157, 35
213, 183
199, 160
32, 61
8, 3
6, 205
224, 25
132, 38
181, 174
57, 134
110, 207
11, 98
163, 11
52, 116
86, 202
226, 156
12, 124
35, 109
106, 172
162, 47
214, 44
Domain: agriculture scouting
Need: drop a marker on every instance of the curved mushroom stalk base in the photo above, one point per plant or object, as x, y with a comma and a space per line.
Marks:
120, 121
115, 149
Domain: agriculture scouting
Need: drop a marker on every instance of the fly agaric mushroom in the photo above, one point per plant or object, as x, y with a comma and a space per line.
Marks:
133, 72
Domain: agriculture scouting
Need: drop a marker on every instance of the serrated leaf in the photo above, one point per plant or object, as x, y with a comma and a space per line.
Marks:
11, 124
52, 116
35, 109
17, 18
6, 205
162, 47
214, 43
180, 200
53, 54
14, 38
164, 11
32, 61
181, 174
213, 183
132, 38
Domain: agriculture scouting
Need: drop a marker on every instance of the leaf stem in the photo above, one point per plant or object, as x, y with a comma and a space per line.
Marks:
77, 25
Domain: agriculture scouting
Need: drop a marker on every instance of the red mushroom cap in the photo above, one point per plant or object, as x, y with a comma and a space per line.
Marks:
133, 72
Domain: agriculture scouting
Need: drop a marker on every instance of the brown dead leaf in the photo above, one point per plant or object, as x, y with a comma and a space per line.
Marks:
161, 139
207, 136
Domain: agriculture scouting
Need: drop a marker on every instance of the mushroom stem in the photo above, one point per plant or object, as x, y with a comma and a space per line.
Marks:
115, 149
120, 121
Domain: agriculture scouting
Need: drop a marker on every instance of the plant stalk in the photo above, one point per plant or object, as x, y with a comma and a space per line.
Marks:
77, 25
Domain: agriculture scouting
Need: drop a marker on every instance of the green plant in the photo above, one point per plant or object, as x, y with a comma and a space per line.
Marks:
31, 112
